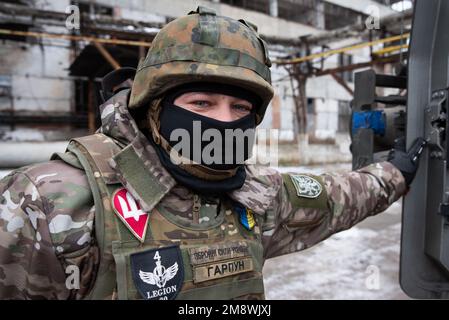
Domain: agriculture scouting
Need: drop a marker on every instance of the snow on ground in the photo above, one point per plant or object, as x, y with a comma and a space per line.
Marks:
360, 263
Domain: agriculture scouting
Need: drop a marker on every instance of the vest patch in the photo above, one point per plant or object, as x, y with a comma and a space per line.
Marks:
158, 274
218, 252
306, 186
130, 212
222, 269
246, 217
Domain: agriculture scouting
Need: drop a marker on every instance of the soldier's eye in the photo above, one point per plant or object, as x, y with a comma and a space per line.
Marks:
201, 103
242, 107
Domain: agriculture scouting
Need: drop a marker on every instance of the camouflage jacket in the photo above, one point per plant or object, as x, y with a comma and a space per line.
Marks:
47, 211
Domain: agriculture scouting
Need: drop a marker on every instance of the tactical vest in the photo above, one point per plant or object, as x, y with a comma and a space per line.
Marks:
220, 259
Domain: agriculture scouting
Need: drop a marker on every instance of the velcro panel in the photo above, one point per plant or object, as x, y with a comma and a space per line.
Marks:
137, 176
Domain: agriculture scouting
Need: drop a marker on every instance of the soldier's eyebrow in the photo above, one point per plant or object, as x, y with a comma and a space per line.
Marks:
189, 94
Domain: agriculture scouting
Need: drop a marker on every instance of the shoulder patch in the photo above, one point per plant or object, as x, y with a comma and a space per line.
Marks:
305, 190
306, 186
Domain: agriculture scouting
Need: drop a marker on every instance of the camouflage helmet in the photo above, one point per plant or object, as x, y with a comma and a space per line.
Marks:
204, 47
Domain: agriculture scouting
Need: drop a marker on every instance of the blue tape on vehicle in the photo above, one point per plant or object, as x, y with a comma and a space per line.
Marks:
369, 120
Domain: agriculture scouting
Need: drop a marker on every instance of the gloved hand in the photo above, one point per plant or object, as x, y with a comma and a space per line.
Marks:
407, 162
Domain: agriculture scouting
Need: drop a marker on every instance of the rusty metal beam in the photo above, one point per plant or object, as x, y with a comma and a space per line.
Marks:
105, 53
355, 66
91, 106
70, 37
21, 118
342, 83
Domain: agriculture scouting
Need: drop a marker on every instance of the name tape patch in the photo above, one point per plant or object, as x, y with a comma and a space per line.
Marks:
222, 269
218, 252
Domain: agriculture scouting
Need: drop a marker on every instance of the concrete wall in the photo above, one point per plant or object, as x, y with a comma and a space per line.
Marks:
363, 6
174, 8
283, 92
38, 73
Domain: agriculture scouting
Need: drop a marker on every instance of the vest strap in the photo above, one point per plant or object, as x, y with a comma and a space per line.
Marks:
101, 148
93, 156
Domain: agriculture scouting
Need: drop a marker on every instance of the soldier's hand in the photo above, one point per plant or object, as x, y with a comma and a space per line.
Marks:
407, 162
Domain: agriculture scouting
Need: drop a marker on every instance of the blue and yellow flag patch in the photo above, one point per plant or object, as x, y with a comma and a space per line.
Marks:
246, 217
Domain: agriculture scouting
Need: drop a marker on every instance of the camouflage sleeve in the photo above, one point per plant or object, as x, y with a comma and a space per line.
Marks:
29, 268
46, 223
296, 222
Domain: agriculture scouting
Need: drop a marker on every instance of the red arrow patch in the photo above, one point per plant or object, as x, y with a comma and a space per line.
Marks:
129, 211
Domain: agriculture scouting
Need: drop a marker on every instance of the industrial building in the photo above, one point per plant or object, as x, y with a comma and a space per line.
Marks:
52, 64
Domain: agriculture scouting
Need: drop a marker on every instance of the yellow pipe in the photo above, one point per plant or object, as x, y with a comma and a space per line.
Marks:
390, 49
74, 37
341, 50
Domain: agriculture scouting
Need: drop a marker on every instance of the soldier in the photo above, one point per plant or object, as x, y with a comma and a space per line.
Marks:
115, 217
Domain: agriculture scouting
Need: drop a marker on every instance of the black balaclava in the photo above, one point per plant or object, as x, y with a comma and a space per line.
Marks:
206, 178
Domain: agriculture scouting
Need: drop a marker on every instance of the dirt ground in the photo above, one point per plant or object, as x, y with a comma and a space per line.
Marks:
360, 263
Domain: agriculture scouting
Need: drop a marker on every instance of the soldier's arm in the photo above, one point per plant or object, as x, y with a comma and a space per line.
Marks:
46, 223
295, 222
29, 268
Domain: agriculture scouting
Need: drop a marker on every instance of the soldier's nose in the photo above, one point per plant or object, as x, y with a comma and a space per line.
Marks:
224, 112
